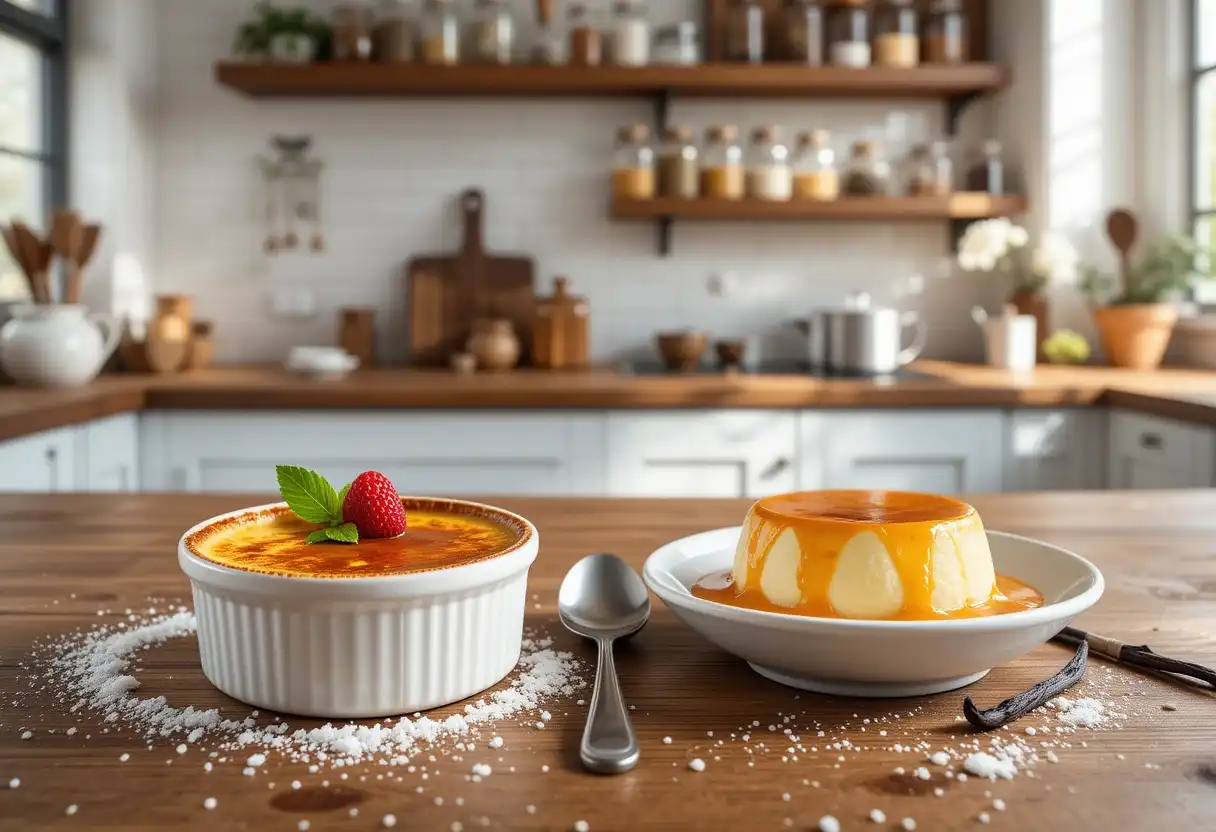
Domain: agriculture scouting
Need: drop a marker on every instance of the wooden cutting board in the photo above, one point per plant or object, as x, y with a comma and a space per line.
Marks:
447, 292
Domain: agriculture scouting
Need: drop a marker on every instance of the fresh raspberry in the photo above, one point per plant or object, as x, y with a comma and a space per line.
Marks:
373, 506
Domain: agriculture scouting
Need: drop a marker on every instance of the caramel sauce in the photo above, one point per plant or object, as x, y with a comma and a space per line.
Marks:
910, 527
273, 542
1011, 596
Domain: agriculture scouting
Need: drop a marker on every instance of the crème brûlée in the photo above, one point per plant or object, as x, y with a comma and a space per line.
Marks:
273, 541
866, 555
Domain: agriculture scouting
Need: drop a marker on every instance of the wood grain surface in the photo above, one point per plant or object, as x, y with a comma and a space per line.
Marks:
63, 558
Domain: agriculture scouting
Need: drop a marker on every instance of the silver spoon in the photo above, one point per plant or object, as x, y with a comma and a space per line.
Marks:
602, 598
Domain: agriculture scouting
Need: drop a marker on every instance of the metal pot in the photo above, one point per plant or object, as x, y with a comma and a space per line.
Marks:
861, 339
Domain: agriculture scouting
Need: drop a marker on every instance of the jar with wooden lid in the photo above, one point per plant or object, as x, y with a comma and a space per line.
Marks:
560, 334
351, 27
849, 34
440, 44
946, 40
493, 33
549, 43
630, 33
988, 174
586, 42
802, 24
769, 176
815, 174
633, 163
896, 34
678, 166
867, 174
722, 164
394, 34
745, 31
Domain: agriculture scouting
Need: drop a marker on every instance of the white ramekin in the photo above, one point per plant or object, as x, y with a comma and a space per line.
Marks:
361, 647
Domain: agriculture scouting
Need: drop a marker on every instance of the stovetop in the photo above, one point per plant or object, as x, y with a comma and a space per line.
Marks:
791, 367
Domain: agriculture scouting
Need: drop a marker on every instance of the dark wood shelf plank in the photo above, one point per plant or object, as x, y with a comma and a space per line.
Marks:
352, 79
961, 206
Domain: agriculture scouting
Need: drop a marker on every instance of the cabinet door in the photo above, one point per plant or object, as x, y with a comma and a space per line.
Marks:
701, 453
437, 453
107, 454
41, 463
1148, 452
943, 452
1055, 450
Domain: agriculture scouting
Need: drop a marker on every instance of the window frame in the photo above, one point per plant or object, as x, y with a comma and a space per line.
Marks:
48, 33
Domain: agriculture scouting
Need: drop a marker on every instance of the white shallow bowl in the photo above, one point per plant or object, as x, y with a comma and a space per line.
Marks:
321, 362
362, 647
876, 658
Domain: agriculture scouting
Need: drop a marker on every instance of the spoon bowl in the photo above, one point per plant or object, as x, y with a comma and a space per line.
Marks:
602, 598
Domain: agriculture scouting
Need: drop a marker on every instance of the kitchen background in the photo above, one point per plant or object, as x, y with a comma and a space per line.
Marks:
166, 158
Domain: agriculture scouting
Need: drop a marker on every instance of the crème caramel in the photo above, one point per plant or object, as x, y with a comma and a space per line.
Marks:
437, 536
866, 555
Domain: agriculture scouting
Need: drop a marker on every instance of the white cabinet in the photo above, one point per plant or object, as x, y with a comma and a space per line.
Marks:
939, 451
40, 463
436, 452
1055, 450
107, 453
703, 453
1149, 452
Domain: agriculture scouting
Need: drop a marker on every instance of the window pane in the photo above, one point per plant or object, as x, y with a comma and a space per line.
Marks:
46, 7
1205, 142
20, 95
1205, 32
21, 195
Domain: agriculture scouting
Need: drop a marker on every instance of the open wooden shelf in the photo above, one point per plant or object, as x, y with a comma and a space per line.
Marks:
355, 79
959, 209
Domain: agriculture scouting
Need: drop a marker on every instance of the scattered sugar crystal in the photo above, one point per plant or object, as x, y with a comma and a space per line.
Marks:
544, 769
182, 749
922, 773
696, 764
827, 823
545, 716
295, 784
999, 805
482, 770
388, 821
496, 742
71, 810
1030, 730
908, 824
941, 758
256, 760
582, 826
210, 803
982, 764
878, 816
207, 766
540, 725
786, 797
25, 735
530, 809
984, 818
14, 783
303, 826
939, 792
666, 740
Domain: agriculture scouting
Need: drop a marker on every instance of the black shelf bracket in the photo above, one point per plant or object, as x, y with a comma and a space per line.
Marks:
958, 227
662, 108
955, 106
664, 226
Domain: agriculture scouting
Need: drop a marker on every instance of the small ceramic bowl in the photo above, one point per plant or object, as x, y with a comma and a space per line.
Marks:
347, 648
321, 362
876, 658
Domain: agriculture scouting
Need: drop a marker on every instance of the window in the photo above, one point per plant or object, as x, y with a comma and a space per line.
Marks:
33, 118
1203, 126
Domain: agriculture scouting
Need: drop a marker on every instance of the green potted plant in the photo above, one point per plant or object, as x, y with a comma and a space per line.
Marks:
1134, 309
288, 35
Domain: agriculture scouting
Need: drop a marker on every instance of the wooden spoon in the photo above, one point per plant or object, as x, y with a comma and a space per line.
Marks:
18, 255
1123, 229
81, 254
66, 233
35, 260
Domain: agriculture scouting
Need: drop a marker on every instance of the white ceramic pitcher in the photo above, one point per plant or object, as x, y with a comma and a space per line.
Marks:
58, 345
1011, 340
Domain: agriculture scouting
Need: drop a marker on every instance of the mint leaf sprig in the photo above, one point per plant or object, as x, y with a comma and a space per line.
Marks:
311, 498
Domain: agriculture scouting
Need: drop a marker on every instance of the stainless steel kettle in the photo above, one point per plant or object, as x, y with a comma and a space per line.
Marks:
861, 339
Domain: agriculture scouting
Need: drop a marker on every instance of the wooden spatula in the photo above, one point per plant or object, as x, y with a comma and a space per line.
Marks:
33, 253
18, 254
81, 254
1123, 229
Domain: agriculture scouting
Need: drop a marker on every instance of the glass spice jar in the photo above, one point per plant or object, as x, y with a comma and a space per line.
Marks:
988, 174
803, 26
586, 42
352, 31
633, 163
549, 45
849, 34
677, 44
440, 33
815, 173
678, 172
722, 164
769, 176
630, 34
745, 31
946, 40
867, 174
393, 35
896, 34
918, 174
493, 33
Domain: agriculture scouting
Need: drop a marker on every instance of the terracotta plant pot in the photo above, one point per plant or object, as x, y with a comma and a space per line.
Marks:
1135, 335
1034, 304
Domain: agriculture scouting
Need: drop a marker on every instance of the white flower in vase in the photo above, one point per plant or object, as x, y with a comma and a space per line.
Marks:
988, 245
1054, 261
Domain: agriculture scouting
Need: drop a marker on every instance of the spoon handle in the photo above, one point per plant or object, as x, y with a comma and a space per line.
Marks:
609, 744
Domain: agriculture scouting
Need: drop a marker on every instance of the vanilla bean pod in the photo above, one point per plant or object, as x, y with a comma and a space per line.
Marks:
1016, 707
1136, 655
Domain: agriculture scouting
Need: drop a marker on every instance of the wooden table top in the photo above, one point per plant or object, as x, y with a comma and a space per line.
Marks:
63, 558
1189, 395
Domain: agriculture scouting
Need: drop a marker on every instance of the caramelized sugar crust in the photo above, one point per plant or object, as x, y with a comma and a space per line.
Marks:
885, 507
440, 534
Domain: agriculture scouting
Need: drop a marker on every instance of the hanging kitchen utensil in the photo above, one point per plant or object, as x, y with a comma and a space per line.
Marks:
291, 194
1123, 229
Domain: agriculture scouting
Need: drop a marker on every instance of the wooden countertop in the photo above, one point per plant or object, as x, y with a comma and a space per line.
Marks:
63, 558
1176, 393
